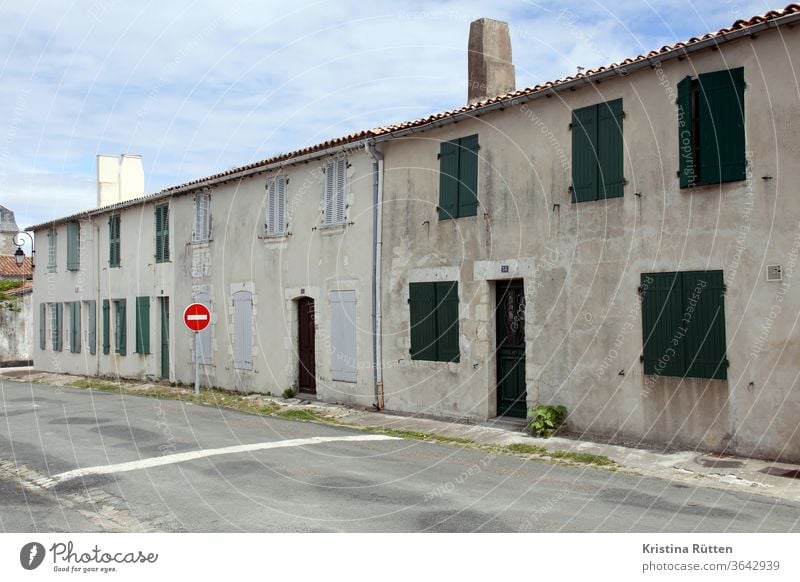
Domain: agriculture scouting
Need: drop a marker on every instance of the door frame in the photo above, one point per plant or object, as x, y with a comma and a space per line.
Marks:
299, 303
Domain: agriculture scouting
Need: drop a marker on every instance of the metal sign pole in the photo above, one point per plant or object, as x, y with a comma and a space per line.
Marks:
196, 363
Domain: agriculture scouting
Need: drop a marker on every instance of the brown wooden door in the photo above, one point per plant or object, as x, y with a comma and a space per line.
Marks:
307, 381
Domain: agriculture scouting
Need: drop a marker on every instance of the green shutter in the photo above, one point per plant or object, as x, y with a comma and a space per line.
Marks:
42, 326
448, 179
57, 320
687, 167
73, 246
662, 311
422, 305
75, 327
610, 149
106, 326
143, 325
447, 321
162, 233
91, 324
114, 241
722, 143
704, 317
584, 154
121, 328
468, 176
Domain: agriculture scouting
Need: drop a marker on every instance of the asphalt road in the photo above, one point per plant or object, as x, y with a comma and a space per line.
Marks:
341, 485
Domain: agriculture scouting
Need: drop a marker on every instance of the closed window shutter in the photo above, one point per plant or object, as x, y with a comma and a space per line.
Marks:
202, 217
114, 241
106, 326
122, 331
57, 319
75, 327
343, 336
341, 172
269, 219
280, 206
662, 311
704, 319
686, 138
73, 246
91, 324
448, 179
52, 245
162, 233
330, 184
584, 154
468, 176
447, 321
143, 325
722, 138
42, 326
422, 307
243, 330
610, 149
204, 337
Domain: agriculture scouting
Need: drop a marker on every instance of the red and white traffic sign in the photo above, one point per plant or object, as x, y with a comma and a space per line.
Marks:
196, 317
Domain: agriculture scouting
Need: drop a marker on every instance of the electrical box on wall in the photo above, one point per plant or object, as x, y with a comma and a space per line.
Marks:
774, 273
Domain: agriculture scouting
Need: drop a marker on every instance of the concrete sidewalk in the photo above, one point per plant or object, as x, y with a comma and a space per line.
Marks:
693, 468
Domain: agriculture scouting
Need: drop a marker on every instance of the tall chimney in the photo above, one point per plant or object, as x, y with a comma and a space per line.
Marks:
491, 71
119, 178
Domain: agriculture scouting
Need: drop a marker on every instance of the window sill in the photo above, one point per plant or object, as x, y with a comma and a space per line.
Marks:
332, 229
200, 243
610, 198
271, 238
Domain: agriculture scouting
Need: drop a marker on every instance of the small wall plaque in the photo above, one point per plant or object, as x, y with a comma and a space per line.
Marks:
504, 268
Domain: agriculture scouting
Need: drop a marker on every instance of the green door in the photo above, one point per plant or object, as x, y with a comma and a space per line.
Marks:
510, 317
164, 301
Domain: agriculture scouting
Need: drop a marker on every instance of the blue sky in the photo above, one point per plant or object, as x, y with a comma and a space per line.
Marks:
200, 87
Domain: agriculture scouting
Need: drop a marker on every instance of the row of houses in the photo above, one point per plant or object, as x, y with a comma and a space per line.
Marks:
622, 242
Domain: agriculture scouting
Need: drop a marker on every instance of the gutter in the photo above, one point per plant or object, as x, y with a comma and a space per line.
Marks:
377, 242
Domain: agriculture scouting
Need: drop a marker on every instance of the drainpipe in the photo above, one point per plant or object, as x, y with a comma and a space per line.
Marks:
377, 241
98, 304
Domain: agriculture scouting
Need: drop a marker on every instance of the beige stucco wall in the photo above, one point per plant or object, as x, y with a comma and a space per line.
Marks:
16, 334
582, 262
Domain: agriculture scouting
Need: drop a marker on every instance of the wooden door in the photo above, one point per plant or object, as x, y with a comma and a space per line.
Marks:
510, 317
306, 381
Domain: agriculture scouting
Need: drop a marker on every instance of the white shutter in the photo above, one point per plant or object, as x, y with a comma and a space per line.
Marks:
204, 337
341, 170
269, 219
329, 191
243, 330
343, 336
202, 217
280, 207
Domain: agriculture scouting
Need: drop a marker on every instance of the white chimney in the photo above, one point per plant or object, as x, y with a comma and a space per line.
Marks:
119, 178
490, 68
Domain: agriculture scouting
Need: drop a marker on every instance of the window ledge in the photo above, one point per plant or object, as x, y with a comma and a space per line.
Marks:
201, 243
332, 229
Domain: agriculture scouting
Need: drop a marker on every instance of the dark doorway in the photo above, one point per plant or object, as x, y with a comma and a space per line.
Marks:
164, 308
306, 381
510, 317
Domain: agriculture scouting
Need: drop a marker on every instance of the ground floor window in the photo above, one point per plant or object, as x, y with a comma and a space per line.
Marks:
434, 321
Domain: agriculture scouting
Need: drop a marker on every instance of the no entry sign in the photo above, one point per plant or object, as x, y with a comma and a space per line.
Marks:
196, 317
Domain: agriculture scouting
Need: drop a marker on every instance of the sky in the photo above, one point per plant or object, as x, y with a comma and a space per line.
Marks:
201, 87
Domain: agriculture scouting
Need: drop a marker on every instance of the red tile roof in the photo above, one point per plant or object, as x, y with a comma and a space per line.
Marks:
667, 51
9, 268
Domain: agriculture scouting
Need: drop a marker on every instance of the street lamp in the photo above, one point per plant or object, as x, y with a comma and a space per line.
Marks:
19, 254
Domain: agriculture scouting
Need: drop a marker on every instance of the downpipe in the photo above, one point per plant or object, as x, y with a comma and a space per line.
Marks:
377, 241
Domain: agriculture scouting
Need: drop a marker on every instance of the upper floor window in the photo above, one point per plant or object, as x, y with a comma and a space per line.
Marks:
52, 248
335, 174
597, 152
73, 246
114, 240
458, 178
711, 126
162, 233
202, 217
275, 219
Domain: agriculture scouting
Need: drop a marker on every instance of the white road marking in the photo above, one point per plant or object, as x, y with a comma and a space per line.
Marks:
192, 455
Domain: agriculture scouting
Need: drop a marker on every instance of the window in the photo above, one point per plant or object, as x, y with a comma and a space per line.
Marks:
162, 233
275, 219
243, 330
202, 217
106, 326
120, 330
335, 171
343, 336
42, 326
91, 326
74, 326
143, 325
113, 241
597, 152
52, 245
458, 178
434, 321
711, 126
55, 326
683, 324
73, 246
